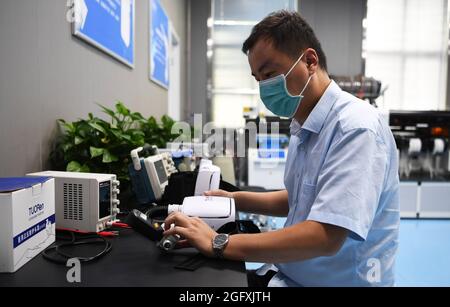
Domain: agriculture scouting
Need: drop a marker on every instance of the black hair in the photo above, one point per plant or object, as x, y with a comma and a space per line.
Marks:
289, 33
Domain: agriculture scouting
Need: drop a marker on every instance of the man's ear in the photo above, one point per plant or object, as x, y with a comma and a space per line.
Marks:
312, 60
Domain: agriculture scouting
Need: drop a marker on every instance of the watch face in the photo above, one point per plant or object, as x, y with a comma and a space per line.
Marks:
220, 239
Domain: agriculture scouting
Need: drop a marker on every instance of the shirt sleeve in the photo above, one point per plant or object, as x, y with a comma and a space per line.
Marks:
350, 183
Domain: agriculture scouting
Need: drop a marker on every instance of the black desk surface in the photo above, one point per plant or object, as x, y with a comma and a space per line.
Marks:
133, 261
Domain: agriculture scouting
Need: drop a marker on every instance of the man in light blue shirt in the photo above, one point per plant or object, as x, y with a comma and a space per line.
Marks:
341, 176
342, 170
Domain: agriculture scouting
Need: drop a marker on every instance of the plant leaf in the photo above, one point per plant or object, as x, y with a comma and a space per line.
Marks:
98, 127
108, 157
136, 116
96, 152
108, 111
136, 132
69, 127
125, 136
167, 121
121, 109
121, 136
78, 140
85, 169
73, 166
152, 122
67, 146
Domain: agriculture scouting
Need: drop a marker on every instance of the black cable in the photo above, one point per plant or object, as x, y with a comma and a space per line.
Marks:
55, 259
60, 257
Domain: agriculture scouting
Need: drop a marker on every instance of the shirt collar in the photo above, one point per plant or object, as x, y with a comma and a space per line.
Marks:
316, 119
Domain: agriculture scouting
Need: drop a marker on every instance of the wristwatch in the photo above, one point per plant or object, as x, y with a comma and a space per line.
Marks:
219, 243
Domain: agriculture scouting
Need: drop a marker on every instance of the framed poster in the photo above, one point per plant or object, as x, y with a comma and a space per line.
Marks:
159, 44
109, 25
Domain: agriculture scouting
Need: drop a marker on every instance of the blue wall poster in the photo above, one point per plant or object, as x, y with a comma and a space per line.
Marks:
159, 44
108, 25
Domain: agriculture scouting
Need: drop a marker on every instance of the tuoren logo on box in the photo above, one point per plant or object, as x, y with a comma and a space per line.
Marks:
27, 219
35, 209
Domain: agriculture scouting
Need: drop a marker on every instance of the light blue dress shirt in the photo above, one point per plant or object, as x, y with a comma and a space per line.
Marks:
342, 169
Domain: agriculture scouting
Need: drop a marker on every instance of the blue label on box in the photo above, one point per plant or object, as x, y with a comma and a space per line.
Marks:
33, 230
19, 183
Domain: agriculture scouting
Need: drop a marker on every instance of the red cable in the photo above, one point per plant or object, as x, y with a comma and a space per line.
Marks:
108, 233
121, 225
101, 233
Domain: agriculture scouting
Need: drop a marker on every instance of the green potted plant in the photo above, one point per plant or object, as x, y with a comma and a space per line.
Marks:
103, 146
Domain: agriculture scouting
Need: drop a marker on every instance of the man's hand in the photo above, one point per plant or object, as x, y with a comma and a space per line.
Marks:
220, 193
194, 230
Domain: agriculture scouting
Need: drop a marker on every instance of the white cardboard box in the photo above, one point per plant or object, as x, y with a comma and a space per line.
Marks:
27, 220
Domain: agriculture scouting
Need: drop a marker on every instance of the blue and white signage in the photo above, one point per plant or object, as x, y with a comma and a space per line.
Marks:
159, 44
108, 25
